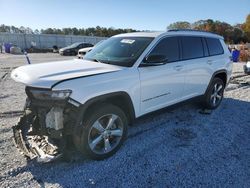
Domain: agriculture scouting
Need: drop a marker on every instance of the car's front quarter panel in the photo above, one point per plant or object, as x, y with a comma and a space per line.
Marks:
89, 87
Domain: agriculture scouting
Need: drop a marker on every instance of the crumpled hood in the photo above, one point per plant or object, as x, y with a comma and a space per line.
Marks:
45, 75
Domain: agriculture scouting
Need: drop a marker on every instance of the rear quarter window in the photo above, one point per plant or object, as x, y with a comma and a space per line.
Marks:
214, 46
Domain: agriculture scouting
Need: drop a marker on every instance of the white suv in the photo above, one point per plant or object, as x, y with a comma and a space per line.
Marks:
89, 103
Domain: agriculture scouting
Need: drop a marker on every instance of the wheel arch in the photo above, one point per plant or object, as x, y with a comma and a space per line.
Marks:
222, 74
120, 99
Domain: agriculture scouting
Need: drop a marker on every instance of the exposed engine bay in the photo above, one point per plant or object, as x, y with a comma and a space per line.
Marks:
44, 129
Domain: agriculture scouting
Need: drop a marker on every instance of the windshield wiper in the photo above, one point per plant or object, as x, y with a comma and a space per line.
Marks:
97, 60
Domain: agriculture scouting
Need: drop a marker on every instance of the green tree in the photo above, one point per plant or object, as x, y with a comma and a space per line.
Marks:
180, 25
75, 31
246, 27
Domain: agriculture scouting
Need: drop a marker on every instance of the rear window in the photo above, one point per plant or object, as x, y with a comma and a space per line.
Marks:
192, 47
214, 46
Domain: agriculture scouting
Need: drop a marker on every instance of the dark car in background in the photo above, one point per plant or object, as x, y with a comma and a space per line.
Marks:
83, 51
73, 48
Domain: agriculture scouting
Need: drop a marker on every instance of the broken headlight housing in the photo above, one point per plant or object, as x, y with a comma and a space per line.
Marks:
50, 94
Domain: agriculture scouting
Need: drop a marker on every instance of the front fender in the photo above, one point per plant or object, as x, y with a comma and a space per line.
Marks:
87, 88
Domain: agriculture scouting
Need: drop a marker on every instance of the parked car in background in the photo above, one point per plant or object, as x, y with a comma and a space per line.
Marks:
83, 51
73, 48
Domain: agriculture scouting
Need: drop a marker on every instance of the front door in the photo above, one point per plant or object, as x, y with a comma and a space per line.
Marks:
162, 85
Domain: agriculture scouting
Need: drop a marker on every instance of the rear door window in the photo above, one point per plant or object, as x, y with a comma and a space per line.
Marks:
169, 47
192, 47
214, 46
206, 53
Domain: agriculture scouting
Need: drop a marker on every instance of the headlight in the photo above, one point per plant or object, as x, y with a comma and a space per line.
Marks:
50, 95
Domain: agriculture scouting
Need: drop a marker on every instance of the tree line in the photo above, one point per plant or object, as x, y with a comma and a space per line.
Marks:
232, 33
91, 31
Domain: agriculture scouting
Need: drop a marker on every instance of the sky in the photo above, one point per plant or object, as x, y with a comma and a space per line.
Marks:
153, 15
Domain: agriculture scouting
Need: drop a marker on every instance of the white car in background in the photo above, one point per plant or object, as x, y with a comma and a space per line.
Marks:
83, 51
247, 68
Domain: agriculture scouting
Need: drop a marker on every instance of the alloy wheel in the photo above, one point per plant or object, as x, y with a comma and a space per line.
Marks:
217, 94
105, 134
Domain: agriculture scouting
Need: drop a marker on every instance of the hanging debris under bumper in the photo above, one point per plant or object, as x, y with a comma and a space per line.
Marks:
33, 144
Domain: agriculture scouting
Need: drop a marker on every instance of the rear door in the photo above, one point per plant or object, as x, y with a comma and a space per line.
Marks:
197, 67
162, 85
217, 58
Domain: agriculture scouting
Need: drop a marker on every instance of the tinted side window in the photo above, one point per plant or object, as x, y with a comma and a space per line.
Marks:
214, 46
169, 47
192, 47
205, 47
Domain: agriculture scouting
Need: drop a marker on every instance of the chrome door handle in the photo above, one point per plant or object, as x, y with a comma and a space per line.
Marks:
210, 62
178, 67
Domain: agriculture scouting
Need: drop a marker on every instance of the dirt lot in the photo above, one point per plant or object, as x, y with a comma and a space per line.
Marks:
175, 147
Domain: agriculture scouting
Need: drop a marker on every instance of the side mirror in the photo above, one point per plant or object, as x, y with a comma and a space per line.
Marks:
154, 60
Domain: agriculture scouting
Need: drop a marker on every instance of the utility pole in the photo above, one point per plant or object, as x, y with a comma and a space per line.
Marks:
25, 42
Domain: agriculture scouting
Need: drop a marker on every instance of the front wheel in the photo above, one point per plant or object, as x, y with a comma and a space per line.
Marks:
103, 132
214, 94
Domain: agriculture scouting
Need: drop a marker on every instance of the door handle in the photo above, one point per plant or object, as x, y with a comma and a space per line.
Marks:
178, 67
210, 62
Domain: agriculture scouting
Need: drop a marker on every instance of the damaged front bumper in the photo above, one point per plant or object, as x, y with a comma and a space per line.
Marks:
43, 130
33, 145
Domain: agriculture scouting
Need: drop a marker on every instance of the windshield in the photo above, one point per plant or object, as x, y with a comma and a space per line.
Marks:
121, 51
74, 45
97, 44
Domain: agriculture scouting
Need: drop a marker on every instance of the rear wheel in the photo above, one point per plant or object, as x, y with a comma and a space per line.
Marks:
214, 94
103, 132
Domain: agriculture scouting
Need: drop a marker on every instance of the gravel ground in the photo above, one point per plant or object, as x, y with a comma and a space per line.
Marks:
174, 147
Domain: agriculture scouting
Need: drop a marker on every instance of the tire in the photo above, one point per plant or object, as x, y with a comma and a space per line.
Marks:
214, 94
100, 138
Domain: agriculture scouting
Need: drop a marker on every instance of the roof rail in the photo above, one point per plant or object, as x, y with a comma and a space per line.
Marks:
172, 30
